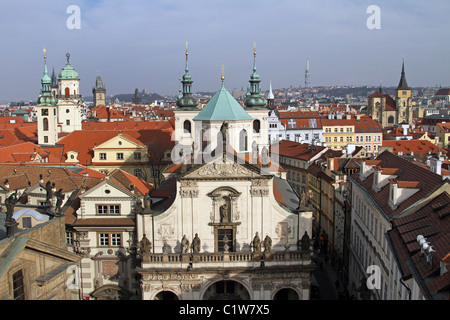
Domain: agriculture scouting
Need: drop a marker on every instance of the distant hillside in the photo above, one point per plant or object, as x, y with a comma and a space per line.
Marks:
145, 98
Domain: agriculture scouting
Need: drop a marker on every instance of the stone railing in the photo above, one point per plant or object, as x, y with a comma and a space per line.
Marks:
229, 259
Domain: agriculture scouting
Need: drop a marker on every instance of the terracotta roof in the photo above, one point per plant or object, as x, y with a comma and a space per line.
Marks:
432, 221
302, 151
409, 172
418, 148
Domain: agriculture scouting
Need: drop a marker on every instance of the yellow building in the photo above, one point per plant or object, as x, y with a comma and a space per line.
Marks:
338, 133
443, 133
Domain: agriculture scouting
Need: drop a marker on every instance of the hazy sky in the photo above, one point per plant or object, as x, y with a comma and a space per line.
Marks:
141, 43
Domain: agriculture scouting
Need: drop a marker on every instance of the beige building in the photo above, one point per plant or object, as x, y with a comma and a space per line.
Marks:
35, 264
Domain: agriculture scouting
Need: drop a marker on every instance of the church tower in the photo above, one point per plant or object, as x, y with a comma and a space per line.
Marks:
255, 105
186, 109
403, 100
270, 98
99, 92
69, 99
47, 119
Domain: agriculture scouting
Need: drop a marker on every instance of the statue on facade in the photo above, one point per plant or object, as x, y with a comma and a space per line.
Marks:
196, 244
256, 243
145, 245
224, 213
267, 244
305, 242
226, 247
147, 202
265, 156
184, 245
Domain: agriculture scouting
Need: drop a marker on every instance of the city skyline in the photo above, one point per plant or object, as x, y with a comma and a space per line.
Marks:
141, 44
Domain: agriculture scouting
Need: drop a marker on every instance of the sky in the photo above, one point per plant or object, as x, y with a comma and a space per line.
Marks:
141, 43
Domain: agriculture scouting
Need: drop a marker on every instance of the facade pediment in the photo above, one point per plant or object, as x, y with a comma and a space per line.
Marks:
223, 170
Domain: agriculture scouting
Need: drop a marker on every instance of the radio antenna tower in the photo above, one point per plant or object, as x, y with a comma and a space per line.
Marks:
307, 75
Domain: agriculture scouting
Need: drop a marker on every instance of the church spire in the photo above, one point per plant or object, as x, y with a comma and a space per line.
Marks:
403, 85
186, 100
45, 97
255, 98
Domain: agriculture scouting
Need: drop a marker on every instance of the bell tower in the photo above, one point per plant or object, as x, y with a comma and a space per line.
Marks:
99, 92
403, 100
47, 118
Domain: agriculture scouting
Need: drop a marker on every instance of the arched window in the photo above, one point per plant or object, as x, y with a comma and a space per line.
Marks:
243, 140
187, 126
45, 124
67, 92
391, 119
256, 126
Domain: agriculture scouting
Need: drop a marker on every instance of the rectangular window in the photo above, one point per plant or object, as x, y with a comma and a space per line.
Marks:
26, 222
103, 239
138, 173
114, 209
45, 139
137, 156
68, 122
18, 286
222, 240
120, 156
102, 209
155, 173
116, 239
69, 238
102, 156
109, 239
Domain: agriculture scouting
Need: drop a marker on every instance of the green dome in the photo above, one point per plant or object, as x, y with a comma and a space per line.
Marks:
68, 73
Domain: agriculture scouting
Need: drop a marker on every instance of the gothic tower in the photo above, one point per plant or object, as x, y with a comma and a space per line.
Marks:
404, 100
99, 92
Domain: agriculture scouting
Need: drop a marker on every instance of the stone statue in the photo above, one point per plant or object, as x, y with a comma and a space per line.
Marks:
49, 190
226, 247
184, 245
147, 202
265, 156
59, 199
305, 242
224, 213
256, 243
145, 245
267, 244
304, 199
196, 244
10, 202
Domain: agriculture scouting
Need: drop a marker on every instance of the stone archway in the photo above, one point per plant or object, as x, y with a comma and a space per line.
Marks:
226, 290
286, 294
166, 295
111, 292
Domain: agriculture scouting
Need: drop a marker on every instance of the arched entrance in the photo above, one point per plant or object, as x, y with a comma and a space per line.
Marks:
166, 295
111, 292
226, 290
286, 294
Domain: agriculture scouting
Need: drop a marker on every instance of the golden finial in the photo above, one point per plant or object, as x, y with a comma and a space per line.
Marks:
45, 51
254, 48
223, 74
186, 48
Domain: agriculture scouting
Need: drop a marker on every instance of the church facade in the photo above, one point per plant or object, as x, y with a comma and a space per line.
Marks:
232, 227
391, 111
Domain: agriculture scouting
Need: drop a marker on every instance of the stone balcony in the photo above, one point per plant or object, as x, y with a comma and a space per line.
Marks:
221, 260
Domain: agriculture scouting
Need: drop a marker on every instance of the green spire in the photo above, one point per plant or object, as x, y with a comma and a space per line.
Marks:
186, 100
45, 97
254, 98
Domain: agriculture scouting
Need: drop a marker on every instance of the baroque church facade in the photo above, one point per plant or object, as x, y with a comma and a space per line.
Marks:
232, 227
389, 111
